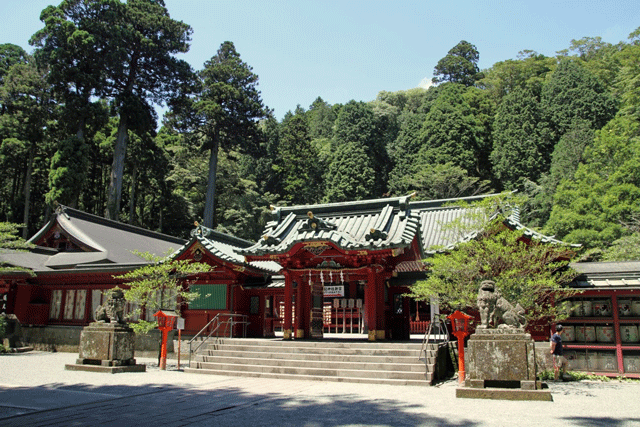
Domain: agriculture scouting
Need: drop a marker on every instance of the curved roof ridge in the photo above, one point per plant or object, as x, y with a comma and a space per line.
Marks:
74, 231
358, 205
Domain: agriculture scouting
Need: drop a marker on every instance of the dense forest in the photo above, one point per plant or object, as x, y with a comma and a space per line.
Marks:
78, 127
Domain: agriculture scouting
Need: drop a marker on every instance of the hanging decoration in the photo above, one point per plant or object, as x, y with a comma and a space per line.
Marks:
331, 277
341, 277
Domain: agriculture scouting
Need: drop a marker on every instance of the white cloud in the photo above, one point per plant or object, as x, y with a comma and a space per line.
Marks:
426, 83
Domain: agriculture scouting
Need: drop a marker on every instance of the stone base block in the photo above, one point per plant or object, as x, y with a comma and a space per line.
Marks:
503, 394
501, 355
106, 369
523, 385
109, 346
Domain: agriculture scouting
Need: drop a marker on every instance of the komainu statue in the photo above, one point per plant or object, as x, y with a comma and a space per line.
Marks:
494, 309
112, 311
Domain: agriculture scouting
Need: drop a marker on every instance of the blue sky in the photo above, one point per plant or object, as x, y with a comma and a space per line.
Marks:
353, 49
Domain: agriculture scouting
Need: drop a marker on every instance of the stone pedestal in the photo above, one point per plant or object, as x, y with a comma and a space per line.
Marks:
107, 347
501, 364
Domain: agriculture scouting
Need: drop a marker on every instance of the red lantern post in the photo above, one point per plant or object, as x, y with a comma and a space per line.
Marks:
460, 326
166, 322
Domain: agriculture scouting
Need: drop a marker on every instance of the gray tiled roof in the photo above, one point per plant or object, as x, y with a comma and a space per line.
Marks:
369, 224
614, 275
110, 243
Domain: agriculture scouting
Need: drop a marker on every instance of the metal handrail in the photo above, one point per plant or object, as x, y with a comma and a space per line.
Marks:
229, 323
427, 335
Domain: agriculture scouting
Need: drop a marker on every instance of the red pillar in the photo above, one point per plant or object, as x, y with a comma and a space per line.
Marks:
288, 294
372, 302
300, 308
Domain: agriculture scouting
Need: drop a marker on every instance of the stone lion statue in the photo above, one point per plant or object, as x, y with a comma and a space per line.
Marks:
494, 309
112, 311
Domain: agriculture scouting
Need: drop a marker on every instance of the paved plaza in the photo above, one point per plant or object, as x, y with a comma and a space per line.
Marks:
36, 390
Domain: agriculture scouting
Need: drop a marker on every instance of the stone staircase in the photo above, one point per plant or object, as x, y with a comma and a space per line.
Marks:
323, 360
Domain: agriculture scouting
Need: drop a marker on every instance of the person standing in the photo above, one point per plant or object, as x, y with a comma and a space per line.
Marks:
559, 362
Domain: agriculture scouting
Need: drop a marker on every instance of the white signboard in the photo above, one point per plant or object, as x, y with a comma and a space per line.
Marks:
334, 291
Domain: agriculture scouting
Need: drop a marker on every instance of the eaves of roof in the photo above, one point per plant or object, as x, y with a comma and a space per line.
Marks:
370, 225
224, 247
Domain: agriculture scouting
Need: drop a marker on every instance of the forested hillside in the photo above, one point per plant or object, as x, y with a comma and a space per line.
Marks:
78, 127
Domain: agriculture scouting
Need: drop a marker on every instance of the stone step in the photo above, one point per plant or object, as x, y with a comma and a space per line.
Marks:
342, 343
232, 353
314, 364
315, 350
302, 370
340, 360
425, 381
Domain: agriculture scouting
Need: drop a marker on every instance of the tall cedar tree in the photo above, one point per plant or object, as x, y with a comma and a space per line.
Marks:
28, 105
224, 113
592, 207
520, 152
573, 93
298, 168
122, 51
459, 66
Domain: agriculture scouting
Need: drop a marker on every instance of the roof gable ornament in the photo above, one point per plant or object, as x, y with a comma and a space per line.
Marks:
376, 235
268, 240
315, 224
329, 264
200, 230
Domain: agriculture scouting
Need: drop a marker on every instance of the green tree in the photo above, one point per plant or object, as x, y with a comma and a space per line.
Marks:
146, 71
243, 210
68, 172
10, 54
599, 57
161, 284
356, 123
444, 181
593, 206
520, 151
574, 93
529, 273
75, 56
224, 113
121, 51
567, 155
459, 66
626, 248
298, 166
527, 72
350, 175
321, 119
26, 98
403, 153
450, 132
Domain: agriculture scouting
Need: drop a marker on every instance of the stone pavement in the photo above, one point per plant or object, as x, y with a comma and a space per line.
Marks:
35, 390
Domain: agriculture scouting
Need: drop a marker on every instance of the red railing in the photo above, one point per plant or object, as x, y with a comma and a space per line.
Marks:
419, 327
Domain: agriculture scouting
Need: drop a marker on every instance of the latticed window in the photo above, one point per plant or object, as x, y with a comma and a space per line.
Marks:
70, 304
56, 303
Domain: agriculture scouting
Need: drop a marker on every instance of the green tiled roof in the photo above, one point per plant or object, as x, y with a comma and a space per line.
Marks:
368, 224
373, 224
